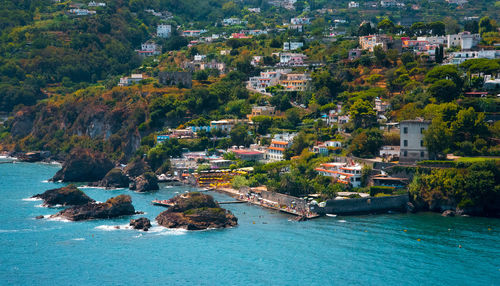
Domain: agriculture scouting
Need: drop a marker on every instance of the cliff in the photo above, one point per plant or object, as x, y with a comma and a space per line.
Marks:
84, 165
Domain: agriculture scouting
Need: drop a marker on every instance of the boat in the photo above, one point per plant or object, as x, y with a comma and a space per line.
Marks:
331, 215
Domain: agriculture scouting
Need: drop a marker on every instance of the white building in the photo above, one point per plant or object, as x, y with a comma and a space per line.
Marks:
199, 57
353, 4
133, 79
266, 79
291, 46
232, 22
460, 57
292, 59
280, 142
300, 21
163, 31
349, 174
412, 147
96, 4
465, 40
149, 49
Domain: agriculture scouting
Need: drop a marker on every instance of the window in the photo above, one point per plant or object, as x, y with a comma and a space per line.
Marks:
422, 154
405, 130
421, 143
405, 143
405, 153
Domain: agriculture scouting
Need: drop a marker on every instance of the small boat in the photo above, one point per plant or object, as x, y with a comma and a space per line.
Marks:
331, 215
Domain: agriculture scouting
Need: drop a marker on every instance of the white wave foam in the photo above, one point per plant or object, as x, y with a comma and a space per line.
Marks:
40, 206
113, 227
341, 220
45, 181
9, 230
58, 218
78, 239
31, 199
160, 230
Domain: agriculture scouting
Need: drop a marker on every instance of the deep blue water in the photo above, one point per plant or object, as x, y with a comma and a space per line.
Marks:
265, 249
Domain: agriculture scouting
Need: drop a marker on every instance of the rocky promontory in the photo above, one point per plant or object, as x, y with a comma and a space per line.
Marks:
113, 179
83, 165
65, 196
145, 183
114, 207
196, 211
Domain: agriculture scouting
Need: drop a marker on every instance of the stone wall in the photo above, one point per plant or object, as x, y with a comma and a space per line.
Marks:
281, 199
364, 205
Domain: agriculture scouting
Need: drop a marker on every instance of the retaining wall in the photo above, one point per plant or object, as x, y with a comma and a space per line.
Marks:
364, 205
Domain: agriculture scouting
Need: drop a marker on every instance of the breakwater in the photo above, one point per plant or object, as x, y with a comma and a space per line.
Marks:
364, 205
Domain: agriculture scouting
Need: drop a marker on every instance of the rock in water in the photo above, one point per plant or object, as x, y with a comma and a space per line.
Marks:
145, 183
66, 196
136, 168
140, 223
448, 213
113, 179
196, 211
114, 207
84, 166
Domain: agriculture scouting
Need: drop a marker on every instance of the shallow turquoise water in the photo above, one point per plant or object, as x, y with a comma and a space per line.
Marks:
355, 250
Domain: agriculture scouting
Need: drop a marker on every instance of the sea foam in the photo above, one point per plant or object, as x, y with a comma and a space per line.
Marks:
31, 199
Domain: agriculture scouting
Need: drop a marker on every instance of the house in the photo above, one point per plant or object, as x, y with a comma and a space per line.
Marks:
183, 79
240, 36
457, 2
232, 22
292, 46
292, 59
434, 40
96, 4
163, 31
465, 40
344, 173
412, 146
295, 82
280, 142
214, 65
81, 12
321, 149
225, 124
371, 41
492, 84
262, 111
149, 49
300, 21
254, 10
266, 79
199, 57
390, 4
193, 33
353, 4
256, 60
460, 57
381, 106
133, 79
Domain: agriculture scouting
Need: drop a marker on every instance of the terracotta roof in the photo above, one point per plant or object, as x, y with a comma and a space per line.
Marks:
276, 148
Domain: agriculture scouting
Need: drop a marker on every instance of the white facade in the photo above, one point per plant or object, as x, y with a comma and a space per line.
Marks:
353, 4
465, 40
300, 21
291, 46
163, 31
460, 57
343, 173
412, 140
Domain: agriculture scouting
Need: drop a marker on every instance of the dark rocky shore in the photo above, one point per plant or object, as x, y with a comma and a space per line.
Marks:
196, 211
65, 196
114, 207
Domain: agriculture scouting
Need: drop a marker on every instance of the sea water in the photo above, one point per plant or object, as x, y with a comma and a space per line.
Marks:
266, 248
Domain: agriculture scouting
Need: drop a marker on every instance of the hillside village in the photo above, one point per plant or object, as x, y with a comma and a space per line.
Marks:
309, 104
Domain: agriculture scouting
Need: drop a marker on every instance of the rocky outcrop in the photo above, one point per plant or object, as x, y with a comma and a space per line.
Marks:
145, 183
196, 211
448, 213
140, 223
84, 166
114, 207
113, 179
136, 168
65, 196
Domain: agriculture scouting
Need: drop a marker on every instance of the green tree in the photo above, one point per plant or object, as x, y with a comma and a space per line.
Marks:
362, 114
444, 90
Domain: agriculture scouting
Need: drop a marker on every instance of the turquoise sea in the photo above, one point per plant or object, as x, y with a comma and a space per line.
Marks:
265, 249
